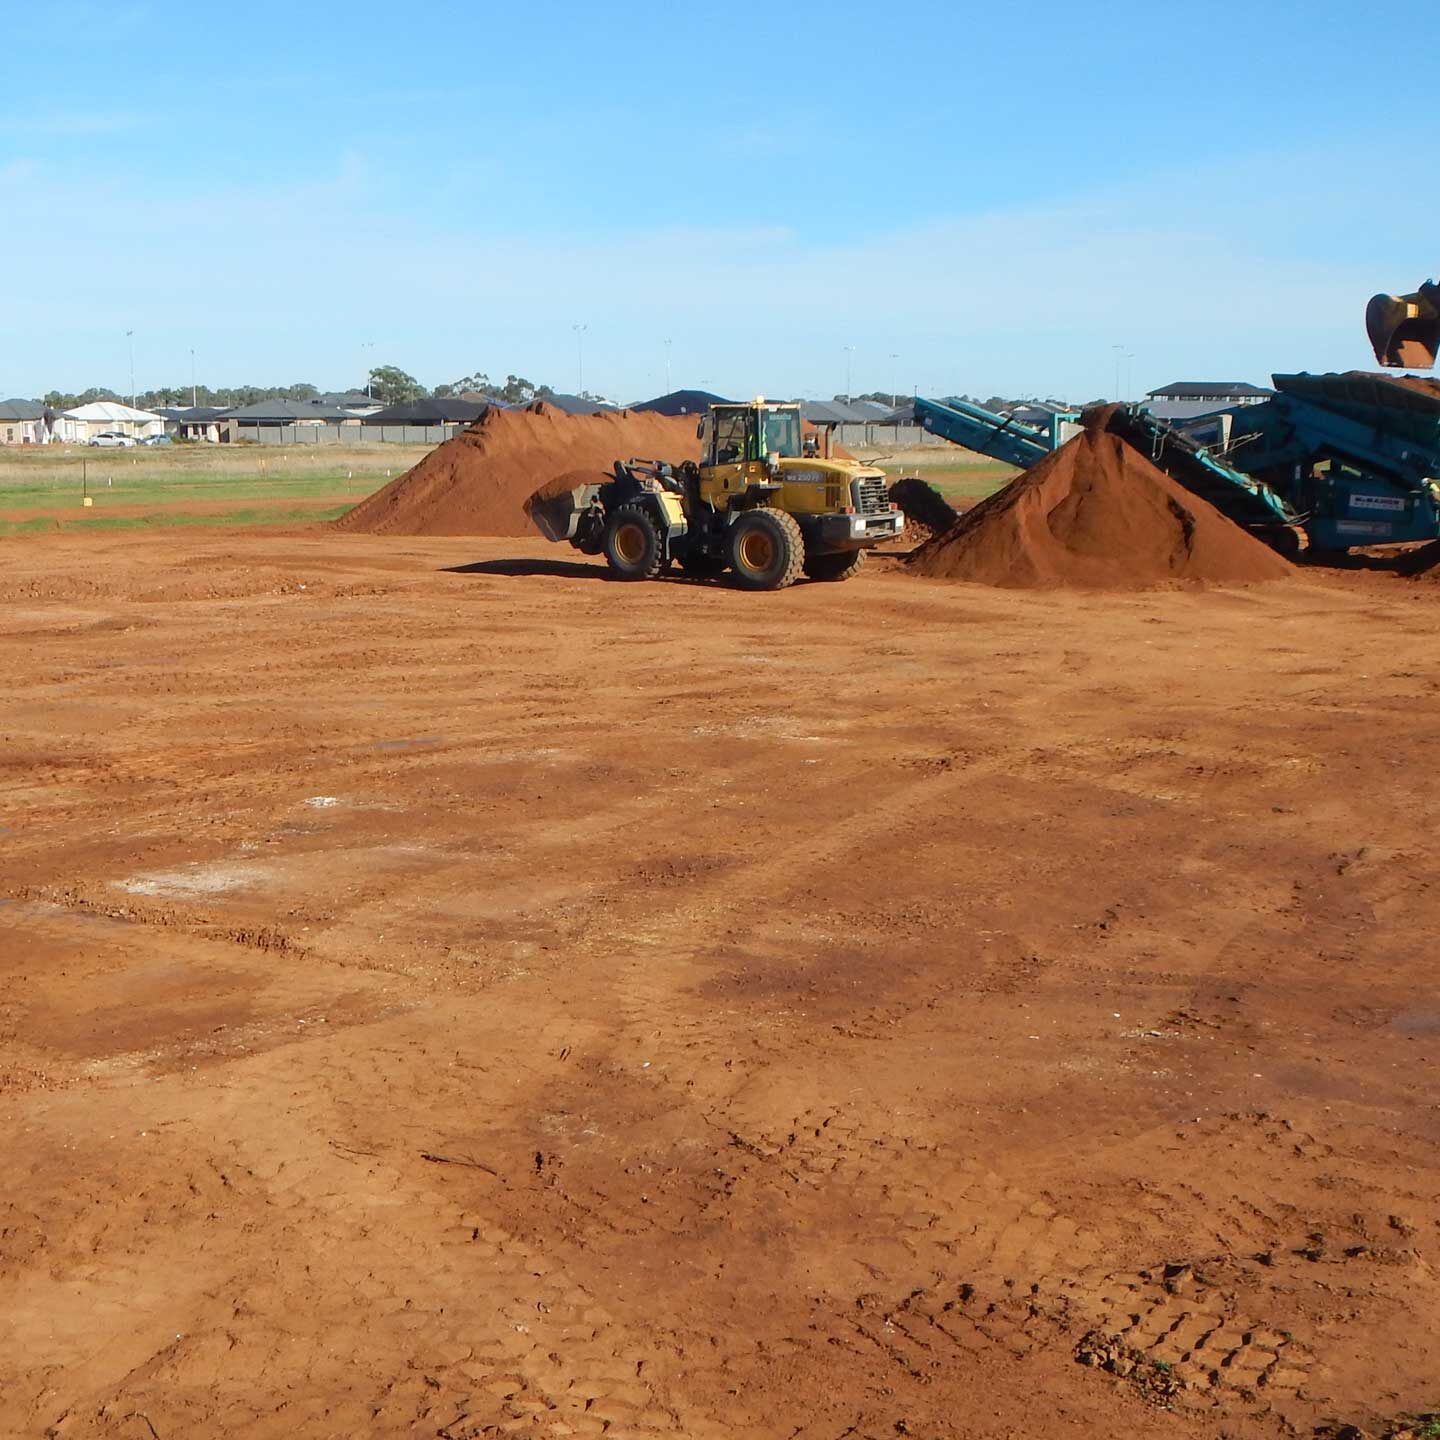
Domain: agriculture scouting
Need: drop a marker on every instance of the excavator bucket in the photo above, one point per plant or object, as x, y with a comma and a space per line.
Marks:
1404, 330
556, 509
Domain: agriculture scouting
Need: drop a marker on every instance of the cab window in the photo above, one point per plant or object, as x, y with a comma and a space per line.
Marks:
731, 436
782, 434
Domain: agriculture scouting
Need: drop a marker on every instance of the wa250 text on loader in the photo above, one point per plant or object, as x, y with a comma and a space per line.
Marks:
756, 505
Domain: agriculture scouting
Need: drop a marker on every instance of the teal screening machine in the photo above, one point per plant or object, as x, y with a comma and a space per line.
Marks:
1349, 460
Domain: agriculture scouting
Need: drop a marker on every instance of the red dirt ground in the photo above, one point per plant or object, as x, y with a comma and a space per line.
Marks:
445, 993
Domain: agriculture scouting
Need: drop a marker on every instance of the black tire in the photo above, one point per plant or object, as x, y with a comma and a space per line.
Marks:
632, 544
1283, 539
767, 550
840, 565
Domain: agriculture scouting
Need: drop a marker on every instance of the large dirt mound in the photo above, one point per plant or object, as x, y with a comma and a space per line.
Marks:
478, 482
1096, 514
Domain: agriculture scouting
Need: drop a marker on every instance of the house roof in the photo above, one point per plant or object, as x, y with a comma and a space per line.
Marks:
111, 411
837, 412
430, 411
349, 400
287, 412
574, 404
680, 402
873, 410
1207, 390
21, 410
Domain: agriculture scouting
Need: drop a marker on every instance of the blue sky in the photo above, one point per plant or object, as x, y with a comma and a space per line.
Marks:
975, 198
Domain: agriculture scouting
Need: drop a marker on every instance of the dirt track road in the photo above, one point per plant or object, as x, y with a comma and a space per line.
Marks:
449, 1004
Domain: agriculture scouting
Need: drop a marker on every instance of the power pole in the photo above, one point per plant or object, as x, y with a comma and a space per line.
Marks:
579, 357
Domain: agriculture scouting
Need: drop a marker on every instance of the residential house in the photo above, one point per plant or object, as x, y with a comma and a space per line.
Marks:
1186, 399
22, 422
680, 402
446, 410
358, 403
266, 420
104, 416
193, 422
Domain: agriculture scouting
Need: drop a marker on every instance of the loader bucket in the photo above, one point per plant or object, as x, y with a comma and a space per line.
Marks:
1404, 330
555, 511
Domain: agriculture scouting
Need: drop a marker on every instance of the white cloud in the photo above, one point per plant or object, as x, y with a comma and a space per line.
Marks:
65, 124
280, 278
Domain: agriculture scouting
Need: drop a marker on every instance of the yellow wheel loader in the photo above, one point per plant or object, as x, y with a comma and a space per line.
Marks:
757, 505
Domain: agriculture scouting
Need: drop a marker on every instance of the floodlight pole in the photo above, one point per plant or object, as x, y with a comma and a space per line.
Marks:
1119, 350
193, 401
579, 357
893, 391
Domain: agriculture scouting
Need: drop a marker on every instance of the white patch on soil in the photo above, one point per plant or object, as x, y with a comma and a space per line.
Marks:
196, 880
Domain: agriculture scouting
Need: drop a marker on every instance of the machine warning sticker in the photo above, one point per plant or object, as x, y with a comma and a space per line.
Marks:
1377, 502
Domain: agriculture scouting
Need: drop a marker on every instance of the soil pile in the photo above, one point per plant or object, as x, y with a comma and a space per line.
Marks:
478, 482
1421, 384
1096, 514
1422, 564
923, 504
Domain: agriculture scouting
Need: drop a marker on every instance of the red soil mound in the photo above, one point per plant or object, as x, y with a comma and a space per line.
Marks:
1423, 384
477, 483
1096, 514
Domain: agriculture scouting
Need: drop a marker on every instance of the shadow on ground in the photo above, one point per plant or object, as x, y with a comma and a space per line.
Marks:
561, 569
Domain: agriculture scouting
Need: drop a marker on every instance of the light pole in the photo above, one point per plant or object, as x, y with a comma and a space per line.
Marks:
667, 367
894, 393
193, 401
130, 336
1119, 350
1129, 377
849, 353
364, 346
579, 357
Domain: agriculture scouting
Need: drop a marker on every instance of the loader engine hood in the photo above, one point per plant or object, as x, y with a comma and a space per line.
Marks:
830, 472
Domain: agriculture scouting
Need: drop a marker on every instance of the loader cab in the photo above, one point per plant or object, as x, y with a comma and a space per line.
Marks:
744, 434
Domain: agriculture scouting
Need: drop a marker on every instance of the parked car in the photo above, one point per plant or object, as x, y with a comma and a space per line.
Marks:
156, 440
113, 440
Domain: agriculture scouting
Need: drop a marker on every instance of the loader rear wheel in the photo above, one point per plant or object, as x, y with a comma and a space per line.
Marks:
767, 550
632, 544
839, 566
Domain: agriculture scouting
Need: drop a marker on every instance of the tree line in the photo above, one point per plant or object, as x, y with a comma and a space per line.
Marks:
386, 384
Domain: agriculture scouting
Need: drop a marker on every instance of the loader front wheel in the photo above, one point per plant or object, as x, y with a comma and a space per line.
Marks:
632, 544
840, 566
767, 550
